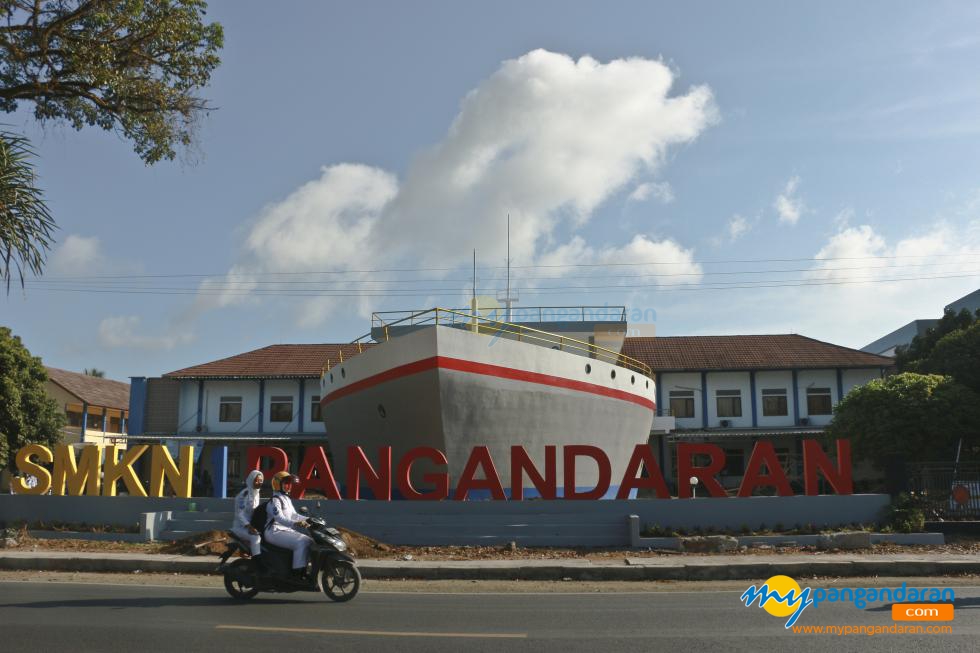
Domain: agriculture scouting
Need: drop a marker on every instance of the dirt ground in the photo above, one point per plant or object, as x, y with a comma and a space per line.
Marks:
212, 543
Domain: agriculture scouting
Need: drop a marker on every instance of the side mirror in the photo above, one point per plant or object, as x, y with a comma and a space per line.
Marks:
317, 505
304, 511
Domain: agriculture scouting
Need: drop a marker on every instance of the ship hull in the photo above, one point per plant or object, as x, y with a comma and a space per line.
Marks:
453, 390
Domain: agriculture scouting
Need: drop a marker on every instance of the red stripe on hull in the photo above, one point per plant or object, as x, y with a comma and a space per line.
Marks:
485, 369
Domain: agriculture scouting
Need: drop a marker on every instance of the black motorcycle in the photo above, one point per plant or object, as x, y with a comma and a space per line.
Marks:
330, 568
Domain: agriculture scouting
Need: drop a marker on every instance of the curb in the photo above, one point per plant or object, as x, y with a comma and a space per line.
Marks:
378, 570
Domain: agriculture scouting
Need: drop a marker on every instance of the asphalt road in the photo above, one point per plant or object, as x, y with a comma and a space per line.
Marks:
49, 616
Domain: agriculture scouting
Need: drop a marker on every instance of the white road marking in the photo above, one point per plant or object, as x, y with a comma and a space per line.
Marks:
375, 633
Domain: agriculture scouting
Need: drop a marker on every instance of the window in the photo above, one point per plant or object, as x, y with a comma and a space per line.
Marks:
774, 403
114, 425
729, 403
74, 418
315, 415
94, 422
281, 409
818, 401
734, 462
682, 403
230, 409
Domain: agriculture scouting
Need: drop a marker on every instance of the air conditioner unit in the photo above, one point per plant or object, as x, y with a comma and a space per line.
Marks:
725, 423
804, 421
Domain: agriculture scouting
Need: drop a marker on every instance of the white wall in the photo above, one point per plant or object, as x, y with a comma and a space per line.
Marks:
854, 378
817, 379
774, 381
248, 390
729, 381
682, 381
763, 380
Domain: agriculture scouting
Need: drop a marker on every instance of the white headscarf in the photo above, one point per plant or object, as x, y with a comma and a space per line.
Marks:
253, 492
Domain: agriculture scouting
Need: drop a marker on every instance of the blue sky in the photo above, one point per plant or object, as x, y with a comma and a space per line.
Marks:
377, 136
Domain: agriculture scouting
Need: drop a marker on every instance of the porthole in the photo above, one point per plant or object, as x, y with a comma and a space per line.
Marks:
588, 369
648, 384
381, 411
331, 377
632, 380
343, 373
612, 374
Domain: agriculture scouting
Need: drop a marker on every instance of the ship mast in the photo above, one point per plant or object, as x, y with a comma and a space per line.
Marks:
507, 299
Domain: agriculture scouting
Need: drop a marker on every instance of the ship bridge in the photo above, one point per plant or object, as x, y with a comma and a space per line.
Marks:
593, 331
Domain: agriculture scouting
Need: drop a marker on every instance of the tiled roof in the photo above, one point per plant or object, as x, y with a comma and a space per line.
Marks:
661, 353
772, 352
92, 390
274, 361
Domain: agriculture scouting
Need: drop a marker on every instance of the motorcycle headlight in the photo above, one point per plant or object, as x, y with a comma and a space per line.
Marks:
338, 543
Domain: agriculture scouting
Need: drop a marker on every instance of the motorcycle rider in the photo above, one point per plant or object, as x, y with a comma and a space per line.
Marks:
281, 530
245, 503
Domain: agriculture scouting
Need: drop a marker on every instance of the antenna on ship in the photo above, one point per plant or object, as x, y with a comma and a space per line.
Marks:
473, 307
507, 299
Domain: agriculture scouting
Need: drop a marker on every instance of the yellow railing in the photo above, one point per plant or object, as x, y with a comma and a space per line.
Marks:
487, 326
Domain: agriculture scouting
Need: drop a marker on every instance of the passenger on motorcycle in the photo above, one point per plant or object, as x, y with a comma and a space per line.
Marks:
281, 530
245, 503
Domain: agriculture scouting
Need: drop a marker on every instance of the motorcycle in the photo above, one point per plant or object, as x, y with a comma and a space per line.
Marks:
330, 569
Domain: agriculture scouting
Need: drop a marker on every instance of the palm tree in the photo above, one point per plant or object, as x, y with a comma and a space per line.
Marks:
26, 225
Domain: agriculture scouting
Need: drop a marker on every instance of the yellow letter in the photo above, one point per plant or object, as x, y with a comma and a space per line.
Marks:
116, 469
162, 464
28, 466
85, 475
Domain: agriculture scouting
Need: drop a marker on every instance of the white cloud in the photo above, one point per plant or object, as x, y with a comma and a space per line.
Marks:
546, 139
325, 225
738, 226
660, 190
665, 256
787, 204
77, 255
121, 332
848, 297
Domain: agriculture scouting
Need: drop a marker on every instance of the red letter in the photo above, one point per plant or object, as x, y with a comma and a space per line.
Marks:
254, 456
480, 457
569, 454
379, 482
440, 480
643, 455
764, 454
521, 463
315, 473
815, 459
706, 474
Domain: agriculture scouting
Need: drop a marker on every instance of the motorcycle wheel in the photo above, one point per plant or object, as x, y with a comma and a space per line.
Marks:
235, 584
340, 581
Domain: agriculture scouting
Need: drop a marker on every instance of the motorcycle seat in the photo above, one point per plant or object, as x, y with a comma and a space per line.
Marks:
266, 544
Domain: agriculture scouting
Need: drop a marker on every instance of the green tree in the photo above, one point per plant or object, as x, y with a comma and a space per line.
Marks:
97, 373
129, 66
911, 357
912, 416
26, 226
957, 354
27, 414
